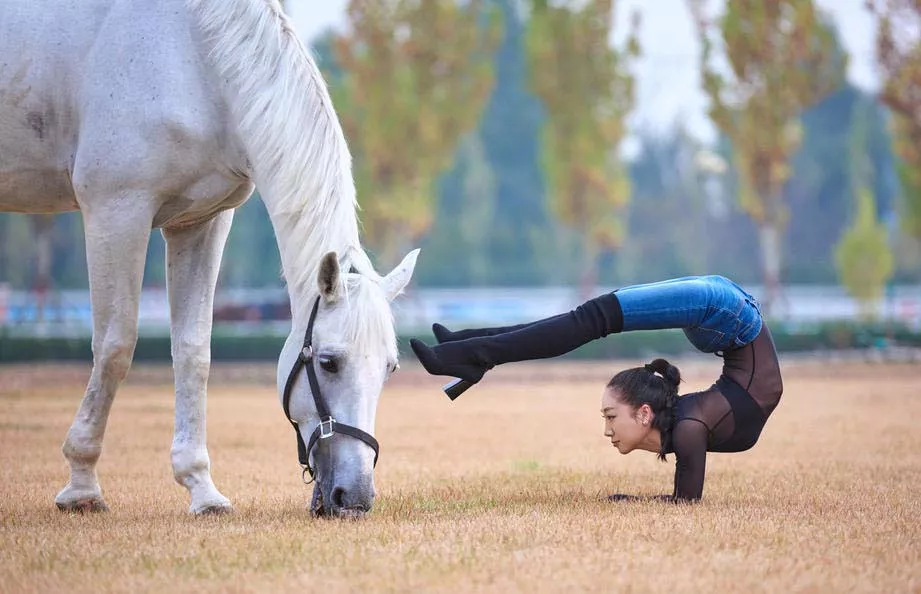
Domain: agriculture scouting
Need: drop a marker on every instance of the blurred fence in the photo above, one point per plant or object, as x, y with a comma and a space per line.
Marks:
266, 311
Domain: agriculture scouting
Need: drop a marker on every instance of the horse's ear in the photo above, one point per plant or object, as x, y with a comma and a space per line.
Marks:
396, 281
328, 277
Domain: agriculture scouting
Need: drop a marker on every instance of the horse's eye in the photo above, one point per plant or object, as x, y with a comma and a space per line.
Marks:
329, 364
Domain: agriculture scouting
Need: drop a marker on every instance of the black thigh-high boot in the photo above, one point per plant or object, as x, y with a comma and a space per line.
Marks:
471, 358
443, 334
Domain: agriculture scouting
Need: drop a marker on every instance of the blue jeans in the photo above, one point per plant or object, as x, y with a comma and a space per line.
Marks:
715, 313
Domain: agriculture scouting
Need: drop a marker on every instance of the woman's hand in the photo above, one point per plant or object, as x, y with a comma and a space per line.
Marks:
625, 497
622, 497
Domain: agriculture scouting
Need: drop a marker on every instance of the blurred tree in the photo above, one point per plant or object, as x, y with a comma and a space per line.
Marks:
251, 258
16, 250
671, 208
898, 47
863, 256
729, 237
42, 252
43, 236
518, 250
155, 264
821, 193
323, 50
587, 92
68, 269
466, 207
415, 75
783, 59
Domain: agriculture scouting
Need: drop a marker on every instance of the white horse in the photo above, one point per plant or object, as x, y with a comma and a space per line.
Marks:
168, 114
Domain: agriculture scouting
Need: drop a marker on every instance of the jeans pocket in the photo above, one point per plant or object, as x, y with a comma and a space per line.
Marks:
749, 324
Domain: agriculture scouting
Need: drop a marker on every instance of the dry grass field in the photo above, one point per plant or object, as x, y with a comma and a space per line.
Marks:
500, 491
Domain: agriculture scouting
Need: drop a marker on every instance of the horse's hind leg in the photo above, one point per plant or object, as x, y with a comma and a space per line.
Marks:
116, 245
193, 261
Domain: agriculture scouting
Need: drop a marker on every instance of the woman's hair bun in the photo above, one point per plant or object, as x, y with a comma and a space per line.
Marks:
668, 371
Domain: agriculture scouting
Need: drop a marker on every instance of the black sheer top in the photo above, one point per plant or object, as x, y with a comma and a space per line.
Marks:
727, 417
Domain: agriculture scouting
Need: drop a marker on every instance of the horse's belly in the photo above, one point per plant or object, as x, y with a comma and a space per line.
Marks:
202, 200
36, 191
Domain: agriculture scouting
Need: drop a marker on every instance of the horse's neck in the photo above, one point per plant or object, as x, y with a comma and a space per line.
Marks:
301, 244
300, 160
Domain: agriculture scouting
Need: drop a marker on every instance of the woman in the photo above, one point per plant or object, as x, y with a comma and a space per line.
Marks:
641, 406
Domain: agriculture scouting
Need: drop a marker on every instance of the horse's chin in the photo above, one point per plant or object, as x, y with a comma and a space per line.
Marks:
319, 510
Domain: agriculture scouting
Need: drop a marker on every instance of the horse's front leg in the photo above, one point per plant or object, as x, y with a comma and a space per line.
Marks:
116, 246
193, 260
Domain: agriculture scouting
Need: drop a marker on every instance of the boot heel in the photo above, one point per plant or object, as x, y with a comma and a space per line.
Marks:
456, 388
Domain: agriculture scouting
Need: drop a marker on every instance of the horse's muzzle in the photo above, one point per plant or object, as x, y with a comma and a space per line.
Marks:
339, 504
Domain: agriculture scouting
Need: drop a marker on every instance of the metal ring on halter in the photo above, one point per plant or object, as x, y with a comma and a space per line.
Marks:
304, 474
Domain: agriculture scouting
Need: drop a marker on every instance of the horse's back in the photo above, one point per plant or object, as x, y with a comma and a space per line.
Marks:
91, 90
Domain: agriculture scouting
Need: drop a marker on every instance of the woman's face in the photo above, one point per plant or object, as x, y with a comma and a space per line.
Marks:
625, 426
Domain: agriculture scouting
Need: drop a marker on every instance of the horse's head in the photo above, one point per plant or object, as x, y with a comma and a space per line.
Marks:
352, 351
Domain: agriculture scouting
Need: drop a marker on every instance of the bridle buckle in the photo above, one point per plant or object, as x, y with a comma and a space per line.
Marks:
326, 428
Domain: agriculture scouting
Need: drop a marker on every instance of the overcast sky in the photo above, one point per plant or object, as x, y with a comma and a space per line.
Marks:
670, 48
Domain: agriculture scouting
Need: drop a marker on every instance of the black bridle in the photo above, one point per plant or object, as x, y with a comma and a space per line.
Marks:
328, 425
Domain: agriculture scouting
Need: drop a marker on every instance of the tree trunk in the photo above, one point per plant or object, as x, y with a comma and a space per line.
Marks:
44, 227
588, 277
769, 237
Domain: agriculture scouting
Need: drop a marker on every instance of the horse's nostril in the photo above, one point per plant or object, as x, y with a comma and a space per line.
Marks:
338, 497
350, 498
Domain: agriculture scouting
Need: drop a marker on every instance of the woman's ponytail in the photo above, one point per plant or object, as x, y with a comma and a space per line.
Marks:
664, 420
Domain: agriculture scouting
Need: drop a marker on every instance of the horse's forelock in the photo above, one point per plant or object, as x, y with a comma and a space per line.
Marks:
369, 323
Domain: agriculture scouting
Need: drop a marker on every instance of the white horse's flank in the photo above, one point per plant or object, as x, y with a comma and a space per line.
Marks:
167, 114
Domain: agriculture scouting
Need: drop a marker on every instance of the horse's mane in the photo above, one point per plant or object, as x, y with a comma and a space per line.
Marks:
300, 160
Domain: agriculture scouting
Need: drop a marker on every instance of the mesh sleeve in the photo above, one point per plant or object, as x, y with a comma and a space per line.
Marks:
689, 439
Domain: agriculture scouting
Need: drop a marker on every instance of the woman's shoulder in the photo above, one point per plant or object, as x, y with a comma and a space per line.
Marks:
690, 406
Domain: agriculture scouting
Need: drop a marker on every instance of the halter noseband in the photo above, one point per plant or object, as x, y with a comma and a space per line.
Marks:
328, 425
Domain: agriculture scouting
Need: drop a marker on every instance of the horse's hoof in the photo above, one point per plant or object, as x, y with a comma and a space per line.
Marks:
217, 509
82, 501
83, 506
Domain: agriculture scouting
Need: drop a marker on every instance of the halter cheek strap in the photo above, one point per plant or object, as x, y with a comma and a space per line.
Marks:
327, 425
